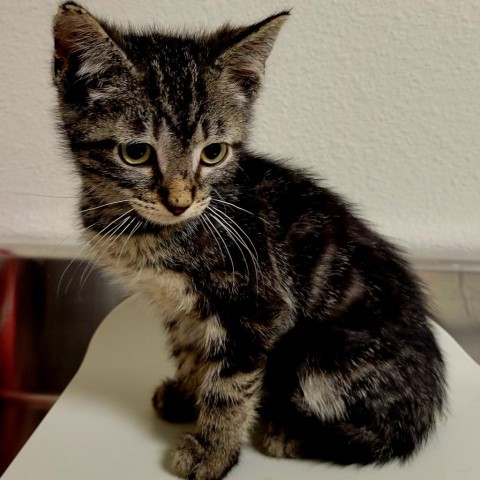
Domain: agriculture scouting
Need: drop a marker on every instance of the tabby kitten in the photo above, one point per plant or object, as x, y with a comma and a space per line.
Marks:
277, 299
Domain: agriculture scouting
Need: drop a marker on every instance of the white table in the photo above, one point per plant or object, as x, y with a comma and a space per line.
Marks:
103, 426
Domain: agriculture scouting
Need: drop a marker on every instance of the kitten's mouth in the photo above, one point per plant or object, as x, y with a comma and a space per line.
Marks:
157, 214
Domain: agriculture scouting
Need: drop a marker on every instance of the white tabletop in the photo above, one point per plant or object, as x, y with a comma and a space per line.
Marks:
103, 426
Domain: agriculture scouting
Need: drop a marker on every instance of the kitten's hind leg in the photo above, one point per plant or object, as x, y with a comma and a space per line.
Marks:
339, 392
277, 442
316, 424
289, 432
340, 443
377, 421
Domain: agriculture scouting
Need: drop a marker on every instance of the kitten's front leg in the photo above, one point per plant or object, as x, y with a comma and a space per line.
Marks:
175, 399
227, 405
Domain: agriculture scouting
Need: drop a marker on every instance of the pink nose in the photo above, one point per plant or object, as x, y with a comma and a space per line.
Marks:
176, 210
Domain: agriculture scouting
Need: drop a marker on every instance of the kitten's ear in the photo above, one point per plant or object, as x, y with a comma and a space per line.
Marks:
82, 46
245, 51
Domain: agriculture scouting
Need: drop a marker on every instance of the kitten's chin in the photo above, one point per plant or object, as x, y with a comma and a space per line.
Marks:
159, 218
164, 219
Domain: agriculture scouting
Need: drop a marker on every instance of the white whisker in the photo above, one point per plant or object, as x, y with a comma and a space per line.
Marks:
238, 226
70, 234
234, 236
103, 243
86, 246
240, 208
137, 226
236, 229
226, 247
212, 233
37, 195
102, 206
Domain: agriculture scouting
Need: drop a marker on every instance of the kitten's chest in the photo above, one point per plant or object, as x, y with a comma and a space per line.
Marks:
171, 291
174, 295
141, 266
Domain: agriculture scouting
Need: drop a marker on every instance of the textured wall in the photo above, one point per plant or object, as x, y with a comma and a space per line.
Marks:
381, 98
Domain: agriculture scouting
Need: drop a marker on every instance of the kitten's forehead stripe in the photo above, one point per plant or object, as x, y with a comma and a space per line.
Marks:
174, 83
205, 124
156, 125
138, 126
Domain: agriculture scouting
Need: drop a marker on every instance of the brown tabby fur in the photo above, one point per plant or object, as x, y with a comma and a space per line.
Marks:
277, 299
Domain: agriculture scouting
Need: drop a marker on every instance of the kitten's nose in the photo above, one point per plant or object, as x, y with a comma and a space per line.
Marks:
176, 210
177, 194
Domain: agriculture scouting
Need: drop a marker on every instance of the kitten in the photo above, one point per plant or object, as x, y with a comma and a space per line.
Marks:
277, 299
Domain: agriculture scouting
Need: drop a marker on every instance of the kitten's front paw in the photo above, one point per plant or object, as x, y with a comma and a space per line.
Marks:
194, 461
173, 403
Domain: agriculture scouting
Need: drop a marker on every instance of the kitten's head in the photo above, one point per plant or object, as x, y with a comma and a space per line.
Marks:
155, 121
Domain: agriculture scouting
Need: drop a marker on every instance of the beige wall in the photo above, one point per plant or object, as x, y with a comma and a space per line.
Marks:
381, 98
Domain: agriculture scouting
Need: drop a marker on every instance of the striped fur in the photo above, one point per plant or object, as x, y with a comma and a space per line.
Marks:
278, 301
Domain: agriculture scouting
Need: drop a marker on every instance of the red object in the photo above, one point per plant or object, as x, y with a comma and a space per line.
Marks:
9, 270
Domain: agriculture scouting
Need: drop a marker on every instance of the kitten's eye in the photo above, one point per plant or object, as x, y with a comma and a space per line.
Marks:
135, 153
214, 153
